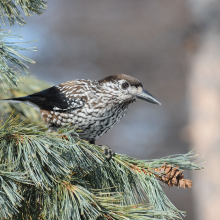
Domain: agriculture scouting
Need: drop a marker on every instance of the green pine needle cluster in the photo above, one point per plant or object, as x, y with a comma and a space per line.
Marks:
11, 10
59, 176
12, 63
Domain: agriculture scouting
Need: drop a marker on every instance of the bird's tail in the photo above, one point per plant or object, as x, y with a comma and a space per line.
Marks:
14, 100
28, 100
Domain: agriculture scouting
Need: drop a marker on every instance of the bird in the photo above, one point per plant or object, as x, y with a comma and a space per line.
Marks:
93, 106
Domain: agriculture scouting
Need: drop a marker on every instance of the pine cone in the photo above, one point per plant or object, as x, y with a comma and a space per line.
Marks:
172, 176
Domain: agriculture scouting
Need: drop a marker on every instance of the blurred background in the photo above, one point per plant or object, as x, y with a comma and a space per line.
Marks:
173, 47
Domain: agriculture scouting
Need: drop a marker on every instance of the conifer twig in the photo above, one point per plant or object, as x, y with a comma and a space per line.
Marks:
10, 10
12, 63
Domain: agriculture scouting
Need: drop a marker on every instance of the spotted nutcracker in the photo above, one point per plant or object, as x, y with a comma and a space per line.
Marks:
90, 105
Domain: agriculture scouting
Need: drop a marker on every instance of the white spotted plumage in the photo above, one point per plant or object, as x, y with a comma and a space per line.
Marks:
101, 111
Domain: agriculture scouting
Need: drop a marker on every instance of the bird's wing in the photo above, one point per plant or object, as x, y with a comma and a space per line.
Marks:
53, 99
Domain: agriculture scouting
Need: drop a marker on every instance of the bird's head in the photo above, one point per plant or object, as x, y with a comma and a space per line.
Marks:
127, 88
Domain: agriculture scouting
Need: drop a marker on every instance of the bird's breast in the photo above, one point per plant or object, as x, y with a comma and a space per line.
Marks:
92, 120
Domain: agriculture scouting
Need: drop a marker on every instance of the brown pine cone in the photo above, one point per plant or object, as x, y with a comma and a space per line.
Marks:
172, 176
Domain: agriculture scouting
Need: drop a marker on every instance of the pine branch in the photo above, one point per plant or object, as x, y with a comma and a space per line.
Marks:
66, 177
10, 10
12, 63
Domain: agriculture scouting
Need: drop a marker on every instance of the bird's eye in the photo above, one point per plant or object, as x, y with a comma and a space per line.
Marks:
124, 85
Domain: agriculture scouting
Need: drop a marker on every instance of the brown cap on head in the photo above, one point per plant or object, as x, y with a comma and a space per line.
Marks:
131, 80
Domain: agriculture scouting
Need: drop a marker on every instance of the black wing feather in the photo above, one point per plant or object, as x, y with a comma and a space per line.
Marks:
52, 99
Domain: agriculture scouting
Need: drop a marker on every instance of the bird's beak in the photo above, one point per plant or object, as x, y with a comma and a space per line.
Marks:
144, 95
